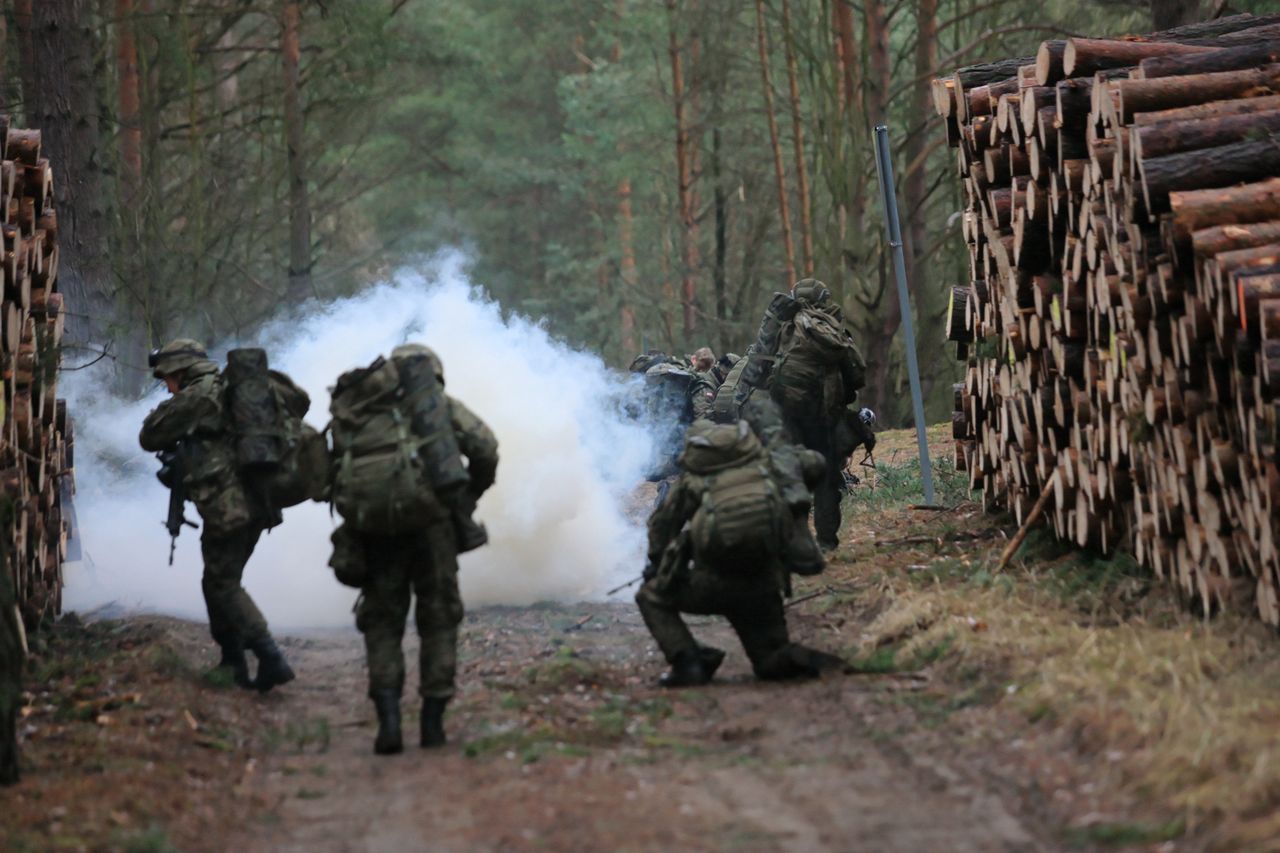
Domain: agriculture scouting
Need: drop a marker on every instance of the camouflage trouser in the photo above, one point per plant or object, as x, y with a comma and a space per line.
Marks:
10, 698
234, 620
818, 434
424, 565
752, 606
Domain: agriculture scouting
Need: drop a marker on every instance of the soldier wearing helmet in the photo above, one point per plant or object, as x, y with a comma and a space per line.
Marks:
193, 423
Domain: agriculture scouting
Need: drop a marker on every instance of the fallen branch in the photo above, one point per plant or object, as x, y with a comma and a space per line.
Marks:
1032, 518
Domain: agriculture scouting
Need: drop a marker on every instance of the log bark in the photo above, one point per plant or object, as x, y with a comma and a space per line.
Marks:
1140, 96
1171, 138
1087, 56
1230, 59
1220, 166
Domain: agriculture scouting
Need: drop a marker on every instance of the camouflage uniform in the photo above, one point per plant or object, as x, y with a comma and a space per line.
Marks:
423, 564
193, 422
816, 426
702, 394
11, 662
749, 595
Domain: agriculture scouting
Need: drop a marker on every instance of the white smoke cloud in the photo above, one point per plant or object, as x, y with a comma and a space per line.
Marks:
555, 517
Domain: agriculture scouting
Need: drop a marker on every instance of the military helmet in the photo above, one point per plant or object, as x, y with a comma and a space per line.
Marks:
175, 357
421, 351
812, 291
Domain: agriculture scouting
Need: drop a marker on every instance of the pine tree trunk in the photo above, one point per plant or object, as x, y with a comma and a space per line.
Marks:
627, 268
1167, 14
688, 215
780, 172
130, 105
797, 139
915, 184
718, 274
300, 287
23, 24
62, 102
626, 241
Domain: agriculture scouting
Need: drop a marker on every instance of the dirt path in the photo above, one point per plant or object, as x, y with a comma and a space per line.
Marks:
560, 741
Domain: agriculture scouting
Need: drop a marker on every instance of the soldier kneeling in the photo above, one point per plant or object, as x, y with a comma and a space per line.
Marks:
727, 560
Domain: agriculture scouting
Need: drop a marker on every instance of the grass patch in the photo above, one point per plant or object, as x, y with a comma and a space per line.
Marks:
310, 734
151, 840
893, 485
1125, 834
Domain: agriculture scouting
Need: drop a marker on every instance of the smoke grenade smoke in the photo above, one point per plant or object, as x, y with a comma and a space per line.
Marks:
568, 458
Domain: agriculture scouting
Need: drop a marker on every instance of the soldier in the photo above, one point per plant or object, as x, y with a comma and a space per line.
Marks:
422, 558
194, 423
12, 657
815, 377
703, 359
726, 561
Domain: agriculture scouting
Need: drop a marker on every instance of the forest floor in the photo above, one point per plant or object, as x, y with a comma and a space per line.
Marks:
1068, 703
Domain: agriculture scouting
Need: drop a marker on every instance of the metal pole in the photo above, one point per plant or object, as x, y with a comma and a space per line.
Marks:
884, 165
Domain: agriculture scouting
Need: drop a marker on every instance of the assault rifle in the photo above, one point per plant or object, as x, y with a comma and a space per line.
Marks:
172, 476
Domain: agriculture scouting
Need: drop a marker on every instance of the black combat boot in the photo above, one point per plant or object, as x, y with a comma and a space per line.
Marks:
711, 659
233, 659
802, 554
387, 703
687, 670
432, 723
273, 669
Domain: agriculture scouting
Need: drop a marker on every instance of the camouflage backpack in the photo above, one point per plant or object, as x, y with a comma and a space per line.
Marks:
397, 465
741, 517
817, 359
279, 455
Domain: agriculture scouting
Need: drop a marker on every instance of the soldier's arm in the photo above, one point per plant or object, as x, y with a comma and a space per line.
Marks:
478, 444
174, 419
670, 516
703, 397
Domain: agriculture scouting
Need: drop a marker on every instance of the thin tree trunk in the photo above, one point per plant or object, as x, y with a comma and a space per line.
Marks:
846, 54
915, 184
130, 104
722, 249
784, 212
299, 202
627, 267
688, 217
626, 240
797, 140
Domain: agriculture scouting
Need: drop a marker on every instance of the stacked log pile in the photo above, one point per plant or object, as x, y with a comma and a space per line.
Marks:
1122, 321
35, 430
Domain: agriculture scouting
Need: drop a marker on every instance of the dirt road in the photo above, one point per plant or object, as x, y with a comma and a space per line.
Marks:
558, 740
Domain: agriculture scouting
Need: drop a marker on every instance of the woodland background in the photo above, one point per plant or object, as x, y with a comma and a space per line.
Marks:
640, 173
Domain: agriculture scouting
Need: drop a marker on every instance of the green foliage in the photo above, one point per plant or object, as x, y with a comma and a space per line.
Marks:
510, 128
891, 486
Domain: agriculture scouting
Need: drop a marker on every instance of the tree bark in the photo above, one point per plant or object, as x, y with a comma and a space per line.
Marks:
300, 287
797, 141
62, 101
24, 24
1170, 138
130, 103
1231, 59
1166, 14
780, 172
915, 184
688, 216
718, 275
1221, 166
627, 267
1141, 96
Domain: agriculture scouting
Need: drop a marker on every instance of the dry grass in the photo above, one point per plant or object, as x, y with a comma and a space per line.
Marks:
1179, 713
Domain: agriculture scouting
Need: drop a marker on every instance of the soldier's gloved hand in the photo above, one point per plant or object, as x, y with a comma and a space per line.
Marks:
870, 443
650, 570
